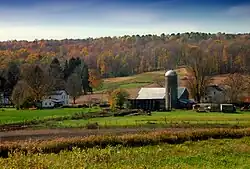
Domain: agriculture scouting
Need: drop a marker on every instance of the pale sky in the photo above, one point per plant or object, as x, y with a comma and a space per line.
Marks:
54, 19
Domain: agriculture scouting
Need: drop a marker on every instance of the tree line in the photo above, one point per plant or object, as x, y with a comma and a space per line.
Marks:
203, 54
128, 55
29, 83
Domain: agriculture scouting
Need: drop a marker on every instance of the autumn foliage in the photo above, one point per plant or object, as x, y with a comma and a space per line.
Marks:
127, 55
117, 98
95, 79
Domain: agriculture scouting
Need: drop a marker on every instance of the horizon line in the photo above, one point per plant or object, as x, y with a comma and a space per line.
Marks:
119, 36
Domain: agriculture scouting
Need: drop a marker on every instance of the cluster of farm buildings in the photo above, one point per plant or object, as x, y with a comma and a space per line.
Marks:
54, 99
165, 98
174, 96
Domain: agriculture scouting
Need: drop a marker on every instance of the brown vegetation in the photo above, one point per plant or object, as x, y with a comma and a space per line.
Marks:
152, 138
236, 85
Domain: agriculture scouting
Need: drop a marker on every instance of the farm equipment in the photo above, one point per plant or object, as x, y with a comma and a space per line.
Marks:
227, 108
245, 108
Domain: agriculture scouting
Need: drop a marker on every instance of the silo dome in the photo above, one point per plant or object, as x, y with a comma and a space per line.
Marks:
171, 73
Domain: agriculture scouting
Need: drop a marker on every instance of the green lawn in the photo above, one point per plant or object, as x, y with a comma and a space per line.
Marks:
13, 115
210, 154
180, 117
162, 118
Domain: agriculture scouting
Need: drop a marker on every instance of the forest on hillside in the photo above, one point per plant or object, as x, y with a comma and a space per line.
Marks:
128, 55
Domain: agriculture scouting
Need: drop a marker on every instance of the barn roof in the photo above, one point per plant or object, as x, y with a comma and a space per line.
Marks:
219, 88
151, 93
180, 91
157, 93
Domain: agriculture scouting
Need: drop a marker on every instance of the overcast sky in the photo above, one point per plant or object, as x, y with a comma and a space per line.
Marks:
54, 19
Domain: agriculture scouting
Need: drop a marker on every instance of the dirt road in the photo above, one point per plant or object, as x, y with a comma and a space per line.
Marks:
47, 134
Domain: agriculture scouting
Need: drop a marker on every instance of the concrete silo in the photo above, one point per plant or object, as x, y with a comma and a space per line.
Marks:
171, 89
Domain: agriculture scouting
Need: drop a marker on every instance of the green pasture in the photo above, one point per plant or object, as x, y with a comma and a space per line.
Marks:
8, 116
210, 154
135, 81
163, 118
14, 116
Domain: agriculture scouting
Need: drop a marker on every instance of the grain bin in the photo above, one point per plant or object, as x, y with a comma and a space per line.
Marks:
171, 87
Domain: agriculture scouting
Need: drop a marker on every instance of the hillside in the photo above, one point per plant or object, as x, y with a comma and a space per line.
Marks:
133, 83
130, 55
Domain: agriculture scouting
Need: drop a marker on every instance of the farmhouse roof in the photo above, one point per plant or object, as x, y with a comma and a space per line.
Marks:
219, 88
57, 92
157, 93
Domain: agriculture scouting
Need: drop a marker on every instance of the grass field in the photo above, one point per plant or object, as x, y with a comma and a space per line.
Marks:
178, 117
135, 81
224, 153
147, 78
9, 116
13, 116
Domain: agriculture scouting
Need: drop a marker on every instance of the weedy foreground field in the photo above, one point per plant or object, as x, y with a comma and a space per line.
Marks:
210, 154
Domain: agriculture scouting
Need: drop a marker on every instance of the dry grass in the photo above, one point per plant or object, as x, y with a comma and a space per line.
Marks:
118, 79
96, 97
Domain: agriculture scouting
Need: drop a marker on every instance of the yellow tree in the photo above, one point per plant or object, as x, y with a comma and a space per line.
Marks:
95, 79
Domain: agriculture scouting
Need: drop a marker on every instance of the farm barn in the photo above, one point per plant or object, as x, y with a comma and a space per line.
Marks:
166, 98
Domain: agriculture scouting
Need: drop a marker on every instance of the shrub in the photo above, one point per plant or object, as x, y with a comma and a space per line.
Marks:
118, 98
92, 126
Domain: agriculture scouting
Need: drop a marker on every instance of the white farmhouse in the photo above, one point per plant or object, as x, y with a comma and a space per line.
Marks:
214, 94
55, 98
3, 99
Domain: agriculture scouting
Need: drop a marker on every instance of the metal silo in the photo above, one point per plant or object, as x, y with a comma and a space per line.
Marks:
171, 87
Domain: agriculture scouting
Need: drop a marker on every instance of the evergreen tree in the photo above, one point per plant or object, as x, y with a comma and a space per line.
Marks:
57, 75
66, 69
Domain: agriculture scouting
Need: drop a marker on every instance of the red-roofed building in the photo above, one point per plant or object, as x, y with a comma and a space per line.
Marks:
246, 99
